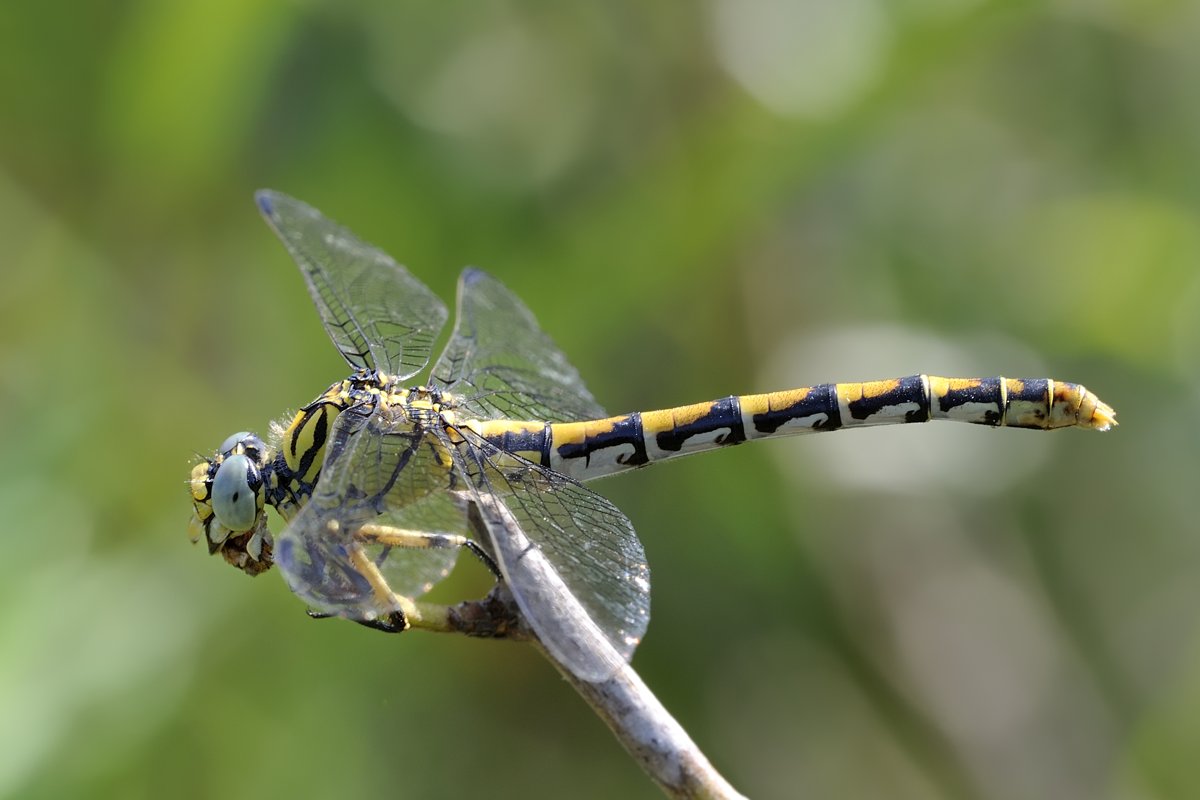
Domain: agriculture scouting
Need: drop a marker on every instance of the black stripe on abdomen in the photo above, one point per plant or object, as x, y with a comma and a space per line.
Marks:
814, 408
675, 429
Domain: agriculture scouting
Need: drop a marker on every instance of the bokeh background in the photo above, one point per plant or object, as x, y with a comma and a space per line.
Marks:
695, 199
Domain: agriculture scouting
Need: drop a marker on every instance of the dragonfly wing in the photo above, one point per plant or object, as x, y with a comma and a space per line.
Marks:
503, 364
378, 315
380, 471
570, 557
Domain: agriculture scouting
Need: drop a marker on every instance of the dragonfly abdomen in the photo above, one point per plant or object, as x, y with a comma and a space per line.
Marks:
594, 448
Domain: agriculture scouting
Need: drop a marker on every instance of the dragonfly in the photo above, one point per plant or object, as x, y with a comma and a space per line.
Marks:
381, 482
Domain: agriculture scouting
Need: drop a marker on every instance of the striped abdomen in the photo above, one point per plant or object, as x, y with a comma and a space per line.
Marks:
600, 447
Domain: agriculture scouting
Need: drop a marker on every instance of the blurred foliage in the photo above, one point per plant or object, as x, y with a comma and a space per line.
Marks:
695, 199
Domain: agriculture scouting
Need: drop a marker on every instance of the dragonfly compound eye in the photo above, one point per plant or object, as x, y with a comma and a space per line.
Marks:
233, 441
250, 444
235, 493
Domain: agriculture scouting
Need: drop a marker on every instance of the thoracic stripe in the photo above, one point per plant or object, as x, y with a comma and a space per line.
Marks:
320, 430
307, 435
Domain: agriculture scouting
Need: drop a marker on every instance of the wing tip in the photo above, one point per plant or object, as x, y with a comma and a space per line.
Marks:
472, 275
266, 200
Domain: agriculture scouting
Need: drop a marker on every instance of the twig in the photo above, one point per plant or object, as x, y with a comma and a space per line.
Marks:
651, 735
648, 732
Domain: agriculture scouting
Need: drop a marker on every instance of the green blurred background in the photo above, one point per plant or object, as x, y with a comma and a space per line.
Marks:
695, 199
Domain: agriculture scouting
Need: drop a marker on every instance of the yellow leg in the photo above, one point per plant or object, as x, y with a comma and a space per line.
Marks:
425, 616
411, 614
388, 536
400, 537
384, 596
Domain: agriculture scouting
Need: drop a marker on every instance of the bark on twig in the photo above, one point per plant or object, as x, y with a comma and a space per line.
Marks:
648, 732
651, 735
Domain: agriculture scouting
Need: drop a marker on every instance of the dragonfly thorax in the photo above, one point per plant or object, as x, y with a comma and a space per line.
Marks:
231, 489
428, 405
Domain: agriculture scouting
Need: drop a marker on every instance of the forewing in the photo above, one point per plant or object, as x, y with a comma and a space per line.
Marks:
378, 315
377, 470
503, 365
570, 557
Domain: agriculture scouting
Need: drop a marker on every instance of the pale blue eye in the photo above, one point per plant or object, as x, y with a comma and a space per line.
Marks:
229, 443
235, 493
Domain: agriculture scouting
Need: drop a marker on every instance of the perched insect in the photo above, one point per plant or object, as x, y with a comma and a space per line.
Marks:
376, 479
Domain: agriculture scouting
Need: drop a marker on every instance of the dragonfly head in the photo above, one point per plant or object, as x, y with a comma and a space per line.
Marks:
228, 494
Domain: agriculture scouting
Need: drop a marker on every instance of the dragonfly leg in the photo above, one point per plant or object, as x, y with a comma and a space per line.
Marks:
394, 621
408, 614
390, 623
400, 537
474, 619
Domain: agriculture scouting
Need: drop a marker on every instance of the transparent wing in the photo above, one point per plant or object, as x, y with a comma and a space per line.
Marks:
570, 557
503, 365
377, 470
378, 315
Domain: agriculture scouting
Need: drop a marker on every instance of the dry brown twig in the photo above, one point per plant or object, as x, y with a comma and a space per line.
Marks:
644, 727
